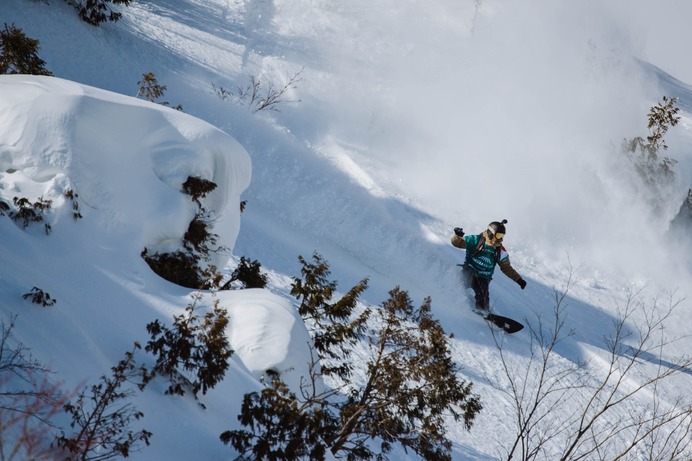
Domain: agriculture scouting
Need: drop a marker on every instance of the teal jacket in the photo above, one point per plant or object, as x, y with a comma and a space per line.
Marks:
483, 262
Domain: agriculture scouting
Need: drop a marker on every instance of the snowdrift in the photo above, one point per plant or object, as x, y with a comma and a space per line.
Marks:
109, 170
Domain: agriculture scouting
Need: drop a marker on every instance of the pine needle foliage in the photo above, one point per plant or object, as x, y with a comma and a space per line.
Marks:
655, 171
685, 212
197, 188
198, 238
151, 90
411, 385
335, 326
407, 389
194, 344
185, 267
28, 212
19, 53
283, 426
661, 117
96, 12
179, 267
249, 274
646, 154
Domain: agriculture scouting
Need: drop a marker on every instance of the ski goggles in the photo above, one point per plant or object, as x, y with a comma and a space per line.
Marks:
498, 235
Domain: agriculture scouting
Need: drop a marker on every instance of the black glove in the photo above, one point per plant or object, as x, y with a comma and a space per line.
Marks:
522, 283
459, 231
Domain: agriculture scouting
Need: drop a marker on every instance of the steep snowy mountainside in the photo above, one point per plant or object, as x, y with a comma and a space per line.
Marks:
409, 118
111, 168
421, 124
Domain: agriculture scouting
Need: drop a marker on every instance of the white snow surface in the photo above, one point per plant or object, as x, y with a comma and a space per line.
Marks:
409, 118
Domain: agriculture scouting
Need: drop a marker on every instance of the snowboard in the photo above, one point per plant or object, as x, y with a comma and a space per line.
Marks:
505, 323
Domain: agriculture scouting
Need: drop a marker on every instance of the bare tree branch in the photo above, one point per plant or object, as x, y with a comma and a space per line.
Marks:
28, 402
592, 411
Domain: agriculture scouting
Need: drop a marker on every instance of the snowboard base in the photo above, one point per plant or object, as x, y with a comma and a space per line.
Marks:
505, 323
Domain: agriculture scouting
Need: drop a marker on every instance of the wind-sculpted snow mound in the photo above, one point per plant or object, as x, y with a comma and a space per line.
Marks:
125, 158
106, 176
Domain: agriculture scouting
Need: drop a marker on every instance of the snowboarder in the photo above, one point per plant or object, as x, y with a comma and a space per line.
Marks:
483, 252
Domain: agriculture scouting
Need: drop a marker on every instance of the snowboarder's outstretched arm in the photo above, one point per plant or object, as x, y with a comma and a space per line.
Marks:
458, 238
509, 271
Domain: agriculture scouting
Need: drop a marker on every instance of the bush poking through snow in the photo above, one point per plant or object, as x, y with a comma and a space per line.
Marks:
258, 96
249, 274
28, 212
38, 296
197, 238
213, 279
70, 195
95, 12
151, 90
197, 188
407, 389
178, 267
18, 53
194, 344
183, 267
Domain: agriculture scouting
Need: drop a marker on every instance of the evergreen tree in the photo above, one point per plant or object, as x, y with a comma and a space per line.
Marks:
151, 90
18, 53
248, 274
406, 389
95, 12
283, 427
646, 154
411, 385
335, 327
654, 169
194, 344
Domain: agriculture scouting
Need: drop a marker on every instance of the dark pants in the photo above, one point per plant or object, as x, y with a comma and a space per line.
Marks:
480, 286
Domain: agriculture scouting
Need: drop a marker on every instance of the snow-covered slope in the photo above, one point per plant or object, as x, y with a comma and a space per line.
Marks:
120, 163
413, 118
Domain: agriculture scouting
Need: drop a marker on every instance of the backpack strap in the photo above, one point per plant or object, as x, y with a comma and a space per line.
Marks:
479, 247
